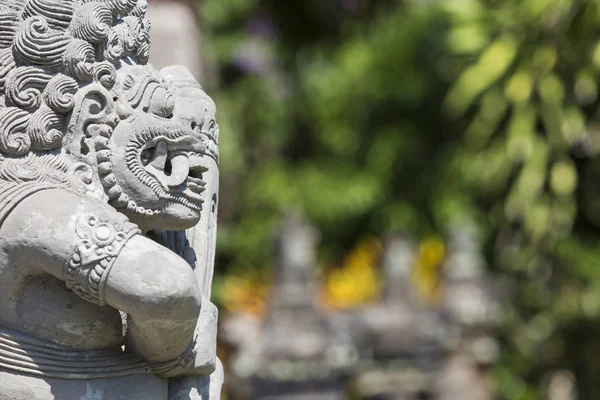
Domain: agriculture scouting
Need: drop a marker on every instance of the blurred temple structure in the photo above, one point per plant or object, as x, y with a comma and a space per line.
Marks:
396, 348
175, 34
296, 353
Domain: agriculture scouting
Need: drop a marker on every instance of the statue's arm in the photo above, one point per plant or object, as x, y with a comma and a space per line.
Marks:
104, 259
158, 291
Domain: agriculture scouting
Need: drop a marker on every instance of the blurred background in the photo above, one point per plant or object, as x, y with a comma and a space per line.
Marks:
410, 195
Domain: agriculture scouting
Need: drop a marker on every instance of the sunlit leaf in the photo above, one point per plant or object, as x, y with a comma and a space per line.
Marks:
586, 88
519, 87
551, 89
563, 177
490, 67
467, 39
544, 59
521, 131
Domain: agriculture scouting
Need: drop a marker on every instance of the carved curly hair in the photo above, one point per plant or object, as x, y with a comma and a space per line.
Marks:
51, 48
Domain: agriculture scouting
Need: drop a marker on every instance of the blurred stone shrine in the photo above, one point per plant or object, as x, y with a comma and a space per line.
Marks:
395, 348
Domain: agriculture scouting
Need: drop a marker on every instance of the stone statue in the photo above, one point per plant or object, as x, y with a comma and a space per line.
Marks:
100, 153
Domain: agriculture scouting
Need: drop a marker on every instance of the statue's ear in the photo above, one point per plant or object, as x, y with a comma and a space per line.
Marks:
93, 114
92, 120
94, 104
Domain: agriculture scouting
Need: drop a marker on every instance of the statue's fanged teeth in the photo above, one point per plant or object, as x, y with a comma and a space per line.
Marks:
194, 187
178, 171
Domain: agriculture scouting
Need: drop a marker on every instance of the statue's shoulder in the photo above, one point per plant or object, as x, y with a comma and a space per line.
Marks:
57, 203
55, 221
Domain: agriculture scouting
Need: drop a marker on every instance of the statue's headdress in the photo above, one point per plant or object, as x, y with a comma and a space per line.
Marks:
49, 49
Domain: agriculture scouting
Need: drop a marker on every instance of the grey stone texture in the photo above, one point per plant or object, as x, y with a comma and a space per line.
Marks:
105, 163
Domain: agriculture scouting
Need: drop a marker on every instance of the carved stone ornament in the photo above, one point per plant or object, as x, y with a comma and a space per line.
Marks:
98, 246
108, 207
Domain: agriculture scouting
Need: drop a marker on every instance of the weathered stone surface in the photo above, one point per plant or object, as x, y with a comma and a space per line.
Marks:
98, 150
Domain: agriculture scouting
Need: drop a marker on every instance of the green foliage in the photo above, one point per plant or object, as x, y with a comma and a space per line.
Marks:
384, 116
334, 128
530, 94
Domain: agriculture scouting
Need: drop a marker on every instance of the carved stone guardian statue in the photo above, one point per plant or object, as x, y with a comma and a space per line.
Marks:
97, 149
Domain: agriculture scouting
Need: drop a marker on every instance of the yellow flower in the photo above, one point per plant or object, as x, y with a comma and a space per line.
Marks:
357, 281
426, 274
243, 295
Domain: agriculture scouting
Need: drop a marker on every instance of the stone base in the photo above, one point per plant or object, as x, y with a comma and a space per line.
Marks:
138, 387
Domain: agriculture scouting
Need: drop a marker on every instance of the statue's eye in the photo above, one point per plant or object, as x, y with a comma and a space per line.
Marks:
161, 103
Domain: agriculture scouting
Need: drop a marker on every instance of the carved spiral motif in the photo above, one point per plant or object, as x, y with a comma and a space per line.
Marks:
7, 64
14, 171
15, 5
131, 36
46, 129
105, 73
92, 22
119, 7
131, 33
49, 50
24, 86
140, 9
143, 50
37, 44
59, 93
13, 131
54, 167
42, 167
114, 46
8, 27
79, 60
137, 89
57, 13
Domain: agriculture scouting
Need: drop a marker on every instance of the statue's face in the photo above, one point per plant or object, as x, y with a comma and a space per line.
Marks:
160, 150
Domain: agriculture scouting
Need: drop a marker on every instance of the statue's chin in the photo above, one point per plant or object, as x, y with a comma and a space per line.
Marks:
174, 217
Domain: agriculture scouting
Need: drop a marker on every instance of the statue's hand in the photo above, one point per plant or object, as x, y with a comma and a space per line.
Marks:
206, 340
200, 358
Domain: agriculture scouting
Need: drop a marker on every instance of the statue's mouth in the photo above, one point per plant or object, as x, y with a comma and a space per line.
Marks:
177, 166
